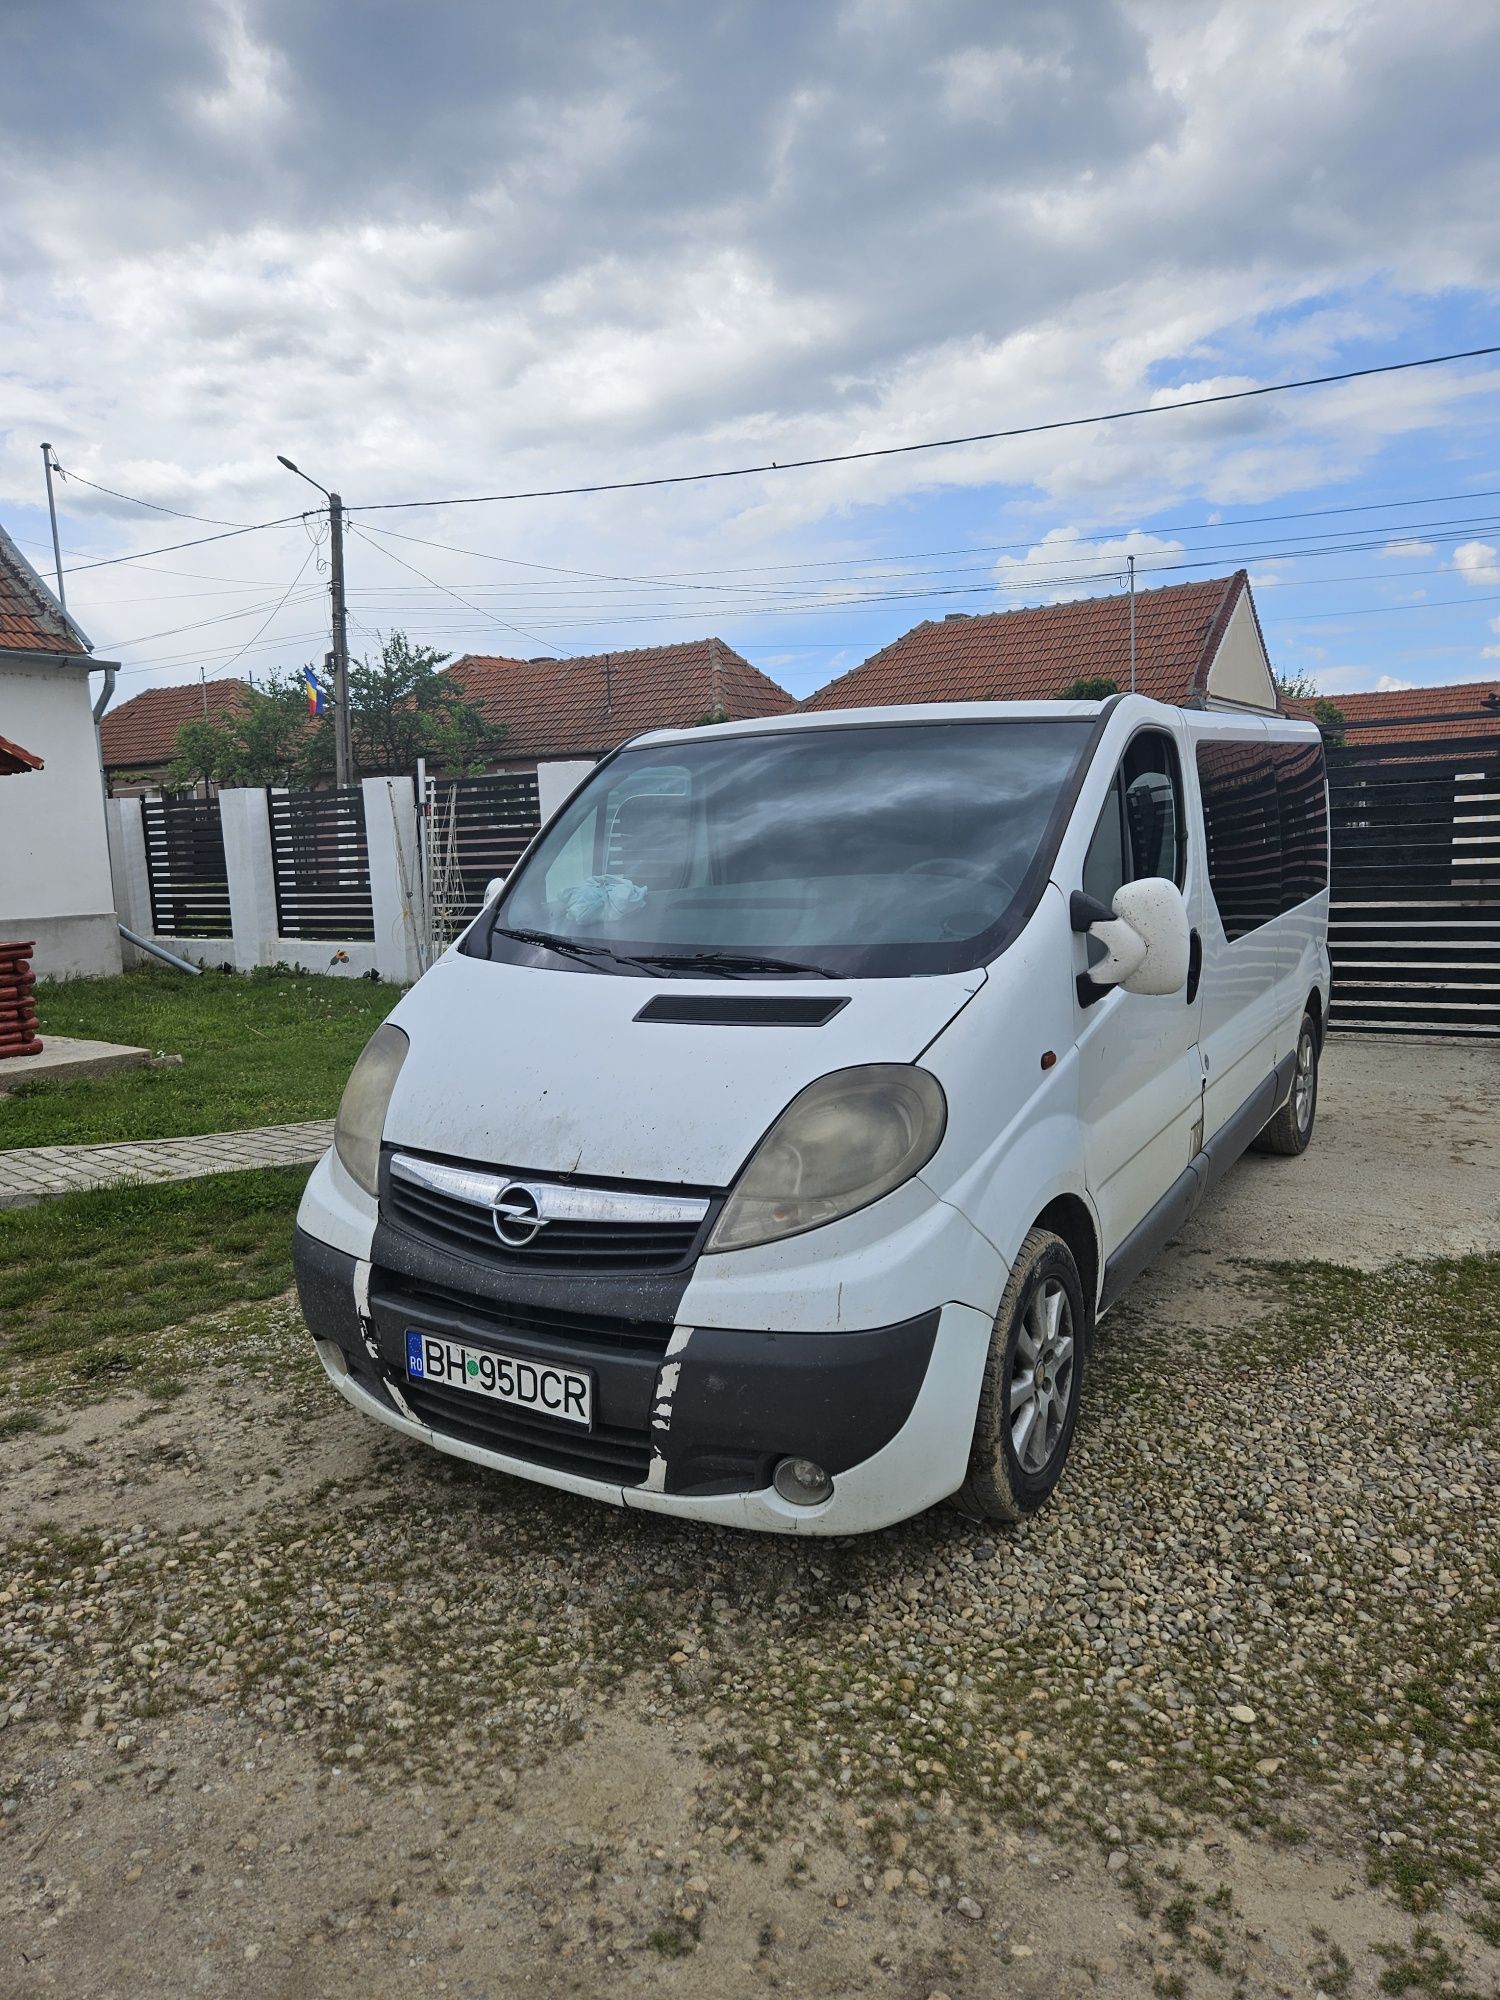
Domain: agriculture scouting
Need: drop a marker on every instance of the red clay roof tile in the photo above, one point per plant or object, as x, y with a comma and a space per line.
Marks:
1034, 653
31, 620
583, 707
141, 734
1460, 710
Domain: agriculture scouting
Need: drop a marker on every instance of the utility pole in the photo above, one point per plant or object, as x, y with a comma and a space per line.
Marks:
1130, 561
52, 511
343, 738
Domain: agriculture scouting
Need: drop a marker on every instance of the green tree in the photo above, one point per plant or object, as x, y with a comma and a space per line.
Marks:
400, 708
1297, 687
1329, 717
1096, 687
261, 742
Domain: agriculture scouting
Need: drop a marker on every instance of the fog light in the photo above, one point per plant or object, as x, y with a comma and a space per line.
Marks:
802, 1481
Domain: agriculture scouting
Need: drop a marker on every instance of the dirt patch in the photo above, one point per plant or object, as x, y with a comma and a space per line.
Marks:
1405, 1163
216, 1861
290, 1707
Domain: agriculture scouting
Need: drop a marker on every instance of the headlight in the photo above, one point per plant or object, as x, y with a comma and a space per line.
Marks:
362, 1108
840, 1144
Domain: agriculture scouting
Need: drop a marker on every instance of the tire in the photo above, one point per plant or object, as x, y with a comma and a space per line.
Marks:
1012, 1470
1289, 1131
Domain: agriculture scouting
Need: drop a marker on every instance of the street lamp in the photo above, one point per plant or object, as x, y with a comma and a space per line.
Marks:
343, 747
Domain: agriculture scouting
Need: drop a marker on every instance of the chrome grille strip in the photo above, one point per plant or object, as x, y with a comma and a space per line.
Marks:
554, 1203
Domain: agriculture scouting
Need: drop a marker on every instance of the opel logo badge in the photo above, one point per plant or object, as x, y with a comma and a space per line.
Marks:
517, 1216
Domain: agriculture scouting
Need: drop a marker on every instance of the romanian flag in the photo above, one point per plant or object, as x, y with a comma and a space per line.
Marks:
314, 692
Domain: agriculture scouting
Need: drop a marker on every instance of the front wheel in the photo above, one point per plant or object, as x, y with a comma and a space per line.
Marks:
1028, 1402
1292, 1126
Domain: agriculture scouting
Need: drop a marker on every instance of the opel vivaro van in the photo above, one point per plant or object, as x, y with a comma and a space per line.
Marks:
768, 1147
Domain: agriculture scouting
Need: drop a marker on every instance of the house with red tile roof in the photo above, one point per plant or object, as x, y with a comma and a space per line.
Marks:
138, 737
55, 885
552, 710
1463, 711
1196, 645
580, 708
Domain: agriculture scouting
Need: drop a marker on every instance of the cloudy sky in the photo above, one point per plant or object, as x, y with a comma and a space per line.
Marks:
457, 249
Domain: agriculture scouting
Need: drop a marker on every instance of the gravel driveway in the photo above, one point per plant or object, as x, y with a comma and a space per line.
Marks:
291, 1708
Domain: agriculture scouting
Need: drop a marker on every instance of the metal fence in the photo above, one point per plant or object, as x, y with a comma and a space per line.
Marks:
477, 828
1414, 923
322, 864
186, 868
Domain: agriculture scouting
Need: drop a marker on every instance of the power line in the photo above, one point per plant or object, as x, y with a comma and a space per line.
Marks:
968, 548
134, 500
195, 625
390, 554
110, 562
302, 567
198, 658
942, 444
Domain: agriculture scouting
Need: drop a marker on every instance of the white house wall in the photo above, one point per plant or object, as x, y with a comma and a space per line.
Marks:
54, 856
1240, 676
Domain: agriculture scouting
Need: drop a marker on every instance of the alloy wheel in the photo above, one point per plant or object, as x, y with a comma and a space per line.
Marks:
1041, 1377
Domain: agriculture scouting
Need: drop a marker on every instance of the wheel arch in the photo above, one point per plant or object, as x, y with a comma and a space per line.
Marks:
1069, 1216
1314, 1007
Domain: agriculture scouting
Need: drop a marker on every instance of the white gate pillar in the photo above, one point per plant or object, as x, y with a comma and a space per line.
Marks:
555, 780
391, 842
245, 820
125, 824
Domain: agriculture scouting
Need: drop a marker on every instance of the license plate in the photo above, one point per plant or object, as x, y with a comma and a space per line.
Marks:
565, 1393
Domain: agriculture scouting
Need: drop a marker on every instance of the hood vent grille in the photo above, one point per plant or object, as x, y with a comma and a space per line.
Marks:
744, 1010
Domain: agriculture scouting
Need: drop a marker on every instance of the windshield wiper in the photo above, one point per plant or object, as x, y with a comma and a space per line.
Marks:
727, 961
575, 946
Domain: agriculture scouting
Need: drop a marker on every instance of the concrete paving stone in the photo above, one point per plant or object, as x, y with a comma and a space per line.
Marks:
30, 1171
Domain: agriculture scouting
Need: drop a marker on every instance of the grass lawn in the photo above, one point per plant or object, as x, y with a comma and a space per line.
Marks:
267, 1049
85, 1278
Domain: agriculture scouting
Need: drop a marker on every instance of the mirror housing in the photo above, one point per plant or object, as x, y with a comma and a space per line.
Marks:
1147, 938
492, 889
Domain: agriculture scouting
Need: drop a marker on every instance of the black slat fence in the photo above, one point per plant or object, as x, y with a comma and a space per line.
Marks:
186, 869
322, 865
477, 828
1414, 922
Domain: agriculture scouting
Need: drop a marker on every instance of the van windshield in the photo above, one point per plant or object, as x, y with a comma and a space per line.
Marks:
875, 850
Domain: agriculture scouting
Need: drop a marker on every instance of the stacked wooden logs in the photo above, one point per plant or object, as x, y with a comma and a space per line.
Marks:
18, 1035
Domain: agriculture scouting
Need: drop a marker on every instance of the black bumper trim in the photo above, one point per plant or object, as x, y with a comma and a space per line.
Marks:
733, 1402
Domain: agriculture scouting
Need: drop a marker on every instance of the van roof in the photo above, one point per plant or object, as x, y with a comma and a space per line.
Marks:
1203, 719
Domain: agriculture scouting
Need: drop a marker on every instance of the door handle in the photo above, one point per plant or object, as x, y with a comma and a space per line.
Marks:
1195, 964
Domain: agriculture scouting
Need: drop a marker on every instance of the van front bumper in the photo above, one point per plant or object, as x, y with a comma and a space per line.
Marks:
887, 1411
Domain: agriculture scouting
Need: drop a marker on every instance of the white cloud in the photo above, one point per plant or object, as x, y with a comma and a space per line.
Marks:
1477, 562
1063, 565
498, 255
1391, 684
1409, 547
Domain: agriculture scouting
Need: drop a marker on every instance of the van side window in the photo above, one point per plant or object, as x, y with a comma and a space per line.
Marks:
1242, 821
1140, 828
1304, 821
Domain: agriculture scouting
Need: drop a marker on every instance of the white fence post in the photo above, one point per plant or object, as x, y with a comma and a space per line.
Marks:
129, 878
392, 844
245, 819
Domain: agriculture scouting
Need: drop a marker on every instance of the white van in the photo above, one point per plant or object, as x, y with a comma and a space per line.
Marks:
768, 1148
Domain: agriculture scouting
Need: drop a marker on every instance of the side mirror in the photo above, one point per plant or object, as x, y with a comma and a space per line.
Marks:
492, 889
1146, 937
